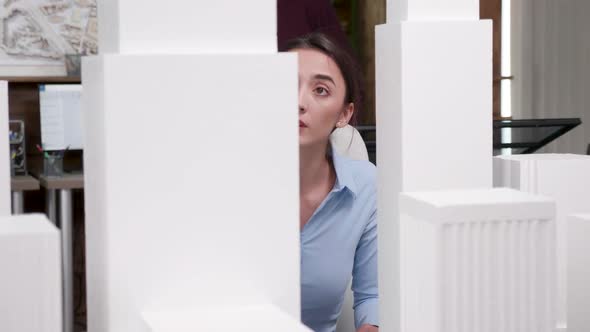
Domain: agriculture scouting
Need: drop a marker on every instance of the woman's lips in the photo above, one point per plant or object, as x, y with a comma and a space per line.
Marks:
302, 124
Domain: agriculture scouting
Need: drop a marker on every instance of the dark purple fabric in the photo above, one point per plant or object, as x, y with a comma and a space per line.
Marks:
299, 17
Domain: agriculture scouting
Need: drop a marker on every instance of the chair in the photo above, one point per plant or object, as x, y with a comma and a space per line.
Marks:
348, 142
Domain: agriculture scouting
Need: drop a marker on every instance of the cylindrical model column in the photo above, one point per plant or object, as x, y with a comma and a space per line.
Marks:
477, 260
564, 177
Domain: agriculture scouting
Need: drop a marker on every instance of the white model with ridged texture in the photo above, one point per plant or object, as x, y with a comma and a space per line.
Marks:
30, 281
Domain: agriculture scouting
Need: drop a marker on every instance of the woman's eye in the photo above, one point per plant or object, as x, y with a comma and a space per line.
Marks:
321, 91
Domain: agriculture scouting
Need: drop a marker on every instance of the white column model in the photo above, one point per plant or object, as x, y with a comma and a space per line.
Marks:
566, 178
477, 260
5, 163
30, 281
578, 273
434, 115
191, 169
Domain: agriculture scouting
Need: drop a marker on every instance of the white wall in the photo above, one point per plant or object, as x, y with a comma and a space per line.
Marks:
551, 52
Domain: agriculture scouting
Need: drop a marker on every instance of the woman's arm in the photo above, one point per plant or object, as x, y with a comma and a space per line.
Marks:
368, 328
364, 279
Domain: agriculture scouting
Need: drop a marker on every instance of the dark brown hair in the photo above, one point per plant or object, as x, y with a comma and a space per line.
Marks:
345, 62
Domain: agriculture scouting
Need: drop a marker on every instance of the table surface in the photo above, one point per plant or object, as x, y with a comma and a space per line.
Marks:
24, 183
66, 181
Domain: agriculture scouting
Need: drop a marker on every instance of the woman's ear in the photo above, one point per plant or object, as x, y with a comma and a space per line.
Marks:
345, 115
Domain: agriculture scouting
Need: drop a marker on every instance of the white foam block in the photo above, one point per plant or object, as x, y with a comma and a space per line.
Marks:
426, 97
4, 152
435, 10
578, 273
180, 26
477, 260
192, 184
30, 282
434, 109
227, 319
566, 178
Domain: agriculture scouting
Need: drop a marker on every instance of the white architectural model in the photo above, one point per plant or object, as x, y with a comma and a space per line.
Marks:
5, 163
434, 109
564, 177
578, 273
30, 281
188, 27
243, 319
477, 260
191, 172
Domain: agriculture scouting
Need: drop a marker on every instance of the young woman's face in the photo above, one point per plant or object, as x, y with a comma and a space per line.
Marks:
322, 92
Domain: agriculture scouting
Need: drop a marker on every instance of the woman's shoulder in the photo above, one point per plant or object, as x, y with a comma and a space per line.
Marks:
363, 172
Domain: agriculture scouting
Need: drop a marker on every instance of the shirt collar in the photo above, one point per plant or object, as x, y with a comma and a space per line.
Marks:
344, 178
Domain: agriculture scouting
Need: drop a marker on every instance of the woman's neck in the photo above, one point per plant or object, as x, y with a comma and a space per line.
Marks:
314, 169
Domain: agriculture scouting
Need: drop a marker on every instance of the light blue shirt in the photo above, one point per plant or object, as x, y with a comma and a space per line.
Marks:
340, 241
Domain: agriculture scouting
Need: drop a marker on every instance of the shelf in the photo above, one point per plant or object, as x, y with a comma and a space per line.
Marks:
24, 183
16, 141
41, 79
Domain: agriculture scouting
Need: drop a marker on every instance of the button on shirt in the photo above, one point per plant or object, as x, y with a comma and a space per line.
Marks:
340, 241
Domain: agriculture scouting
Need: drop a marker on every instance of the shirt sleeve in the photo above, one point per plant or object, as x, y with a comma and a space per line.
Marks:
364, 277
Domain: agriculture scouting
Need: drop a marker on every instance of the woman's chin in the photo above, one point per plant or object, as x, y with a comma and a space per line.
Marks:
308, 142
303, 143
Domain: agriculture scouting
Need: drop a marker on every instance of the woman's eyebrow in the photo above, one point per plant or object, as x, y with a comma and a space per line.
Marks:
324, 78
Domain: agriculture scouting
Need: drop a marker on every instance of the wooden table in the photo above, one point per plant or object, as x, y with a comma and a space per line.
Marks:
19, 184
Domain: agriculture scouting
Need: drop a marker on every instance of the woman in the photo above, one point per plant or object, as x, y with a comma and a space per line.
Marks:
338, 196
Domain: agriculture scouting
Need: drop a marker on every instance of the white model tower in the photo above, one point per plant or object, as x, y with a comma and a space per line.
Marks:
434, 113
191, 169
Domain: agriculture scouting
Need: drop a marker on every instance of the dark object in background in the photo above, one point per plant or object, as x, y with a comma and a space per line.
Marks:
18, 151
529, 135
296, 18
588, 150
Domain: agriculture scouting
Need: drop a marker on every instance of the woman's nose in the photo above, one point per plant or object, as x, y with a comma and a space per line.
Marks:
302, 102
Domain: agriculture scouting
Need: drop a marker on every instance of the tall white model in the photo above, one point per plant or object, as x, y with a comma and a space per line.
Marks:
434, 114
566, 178
578, 273
191, 168
4, 152
477, 260
30, 282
